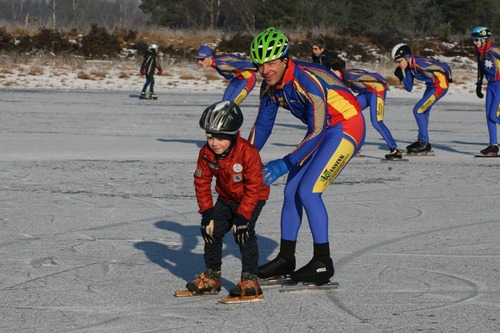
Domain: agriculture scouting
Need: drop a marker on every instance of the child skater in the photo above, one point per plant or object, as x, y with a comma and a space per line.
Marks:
237, 168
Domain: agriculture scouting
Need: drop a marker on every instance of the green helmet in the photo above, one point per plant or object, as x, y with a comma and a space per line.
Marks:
269, 45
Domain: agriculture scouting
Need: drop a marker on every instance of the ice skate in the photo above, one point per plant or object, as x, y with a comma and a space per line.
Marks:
420, 148
394, 154
143, 95
490, 151
247, 290
208, 283
317, 271
152, 96
279, 266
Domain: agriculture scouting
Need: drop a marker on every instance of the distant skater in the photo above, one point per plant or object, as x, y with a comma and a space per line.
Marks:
148, 68
240, 72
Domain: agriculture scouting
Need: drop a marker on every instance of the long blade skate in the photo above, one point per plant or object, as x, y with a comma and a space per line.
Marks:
422, 153
241, 299
188, 293
487, 155
279, 280
309, 286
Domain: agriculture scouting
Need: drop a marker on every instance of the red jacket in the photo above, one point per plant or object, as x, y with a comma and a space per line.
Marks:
238, 177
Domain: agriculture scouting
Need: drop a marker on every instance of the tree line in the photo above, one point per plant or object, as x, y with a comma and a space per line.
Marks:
392, 17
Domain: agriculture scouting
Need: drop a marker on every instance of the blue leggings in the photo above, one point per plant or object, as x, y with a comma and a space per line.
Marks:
422, 110
493, 110
306, 183
376, 102
238, 89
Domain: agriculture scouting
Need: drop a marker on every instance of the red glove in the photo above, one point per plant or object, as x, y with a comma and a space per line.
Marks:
160, 71
143, 72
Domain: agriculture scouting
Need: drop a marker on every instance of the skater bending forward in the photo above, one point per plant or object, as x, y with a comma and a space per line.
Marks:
237, 168
437, 78
335, 131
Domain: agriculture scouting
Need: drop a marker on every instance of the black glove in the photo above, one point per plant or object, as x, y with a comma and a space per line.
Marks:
207, 225
399, 73
240, 229
478, 90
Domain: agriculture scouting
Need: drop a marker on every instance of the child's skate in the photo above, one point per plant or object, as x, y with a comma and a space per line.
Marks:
152, 96
143, 95
208, 283
247, 290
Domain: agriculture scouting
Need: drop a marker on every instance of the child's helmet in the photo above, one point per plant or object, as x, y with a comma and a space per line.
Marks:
153, 47
481, 32
204, 52
222, 117
400, 51
269, 45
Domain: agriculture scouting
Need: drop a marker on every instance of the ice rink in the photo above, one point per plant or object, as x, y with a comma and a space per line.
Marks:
99, 222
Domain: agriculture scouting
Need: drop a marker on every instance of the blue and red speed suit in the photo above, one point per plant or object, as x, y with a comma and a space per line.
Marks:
436, 76
372, 91
335, 132
488, 60
240, 72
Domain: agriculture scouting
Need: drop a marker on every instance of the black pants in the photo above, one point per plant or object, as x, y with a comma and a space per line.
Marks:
150, 81
223, 222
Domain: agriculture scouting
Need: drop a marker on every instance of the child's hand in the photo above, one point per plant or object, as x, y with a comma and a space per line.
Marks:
207, 225
240, 229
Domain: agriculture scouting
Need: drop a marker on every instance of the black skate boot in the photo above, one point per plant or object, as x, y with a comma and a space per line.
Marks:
209, 281
394, 154
248, 286
413, 145
152, 96
422, 148
318, 270
143, 95
277, 266
491, 150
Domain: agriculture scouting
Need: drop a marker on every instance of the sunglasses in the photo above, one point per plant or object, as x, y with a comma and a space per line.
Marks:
477, 39
201, 59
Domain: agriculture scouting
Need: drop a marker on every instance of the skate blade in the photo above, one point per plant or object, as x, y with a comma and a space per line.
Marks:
424, 153
487, 155
241, 299
188, 293
310, 286
276, 281
395, 160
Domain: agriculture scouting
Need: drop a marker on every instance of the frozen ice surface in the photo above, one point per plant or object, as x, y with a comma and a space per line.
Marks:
99, 223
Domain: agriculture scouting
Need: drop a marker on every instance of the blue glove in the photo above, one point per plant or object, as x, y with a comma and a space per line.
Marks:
274, 170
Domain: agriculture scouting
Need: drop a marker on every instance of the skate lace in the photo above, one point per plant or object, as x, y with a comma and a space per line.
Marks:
205, 282
243, 285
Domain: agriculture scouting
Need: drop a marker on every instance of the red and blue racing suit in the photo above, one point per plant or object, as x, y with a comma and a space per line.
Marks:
436, 76
489, 67
240, 72
372, 91
335, 132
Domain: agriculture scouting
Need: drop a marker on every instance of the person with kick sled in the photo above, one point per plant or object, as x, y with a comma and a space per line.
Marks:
237, 168
335, 131
437, 77
488, 65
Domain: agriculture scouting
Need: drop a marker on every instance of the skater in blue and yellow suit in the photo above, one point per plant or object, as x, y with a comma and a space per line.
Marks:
241, 73
436, 75
372, 91
488, 64
335, 132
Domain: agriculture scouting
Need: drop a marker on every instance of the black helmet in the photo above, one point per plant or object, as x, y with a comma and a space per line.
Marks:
222, 117
400, 51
